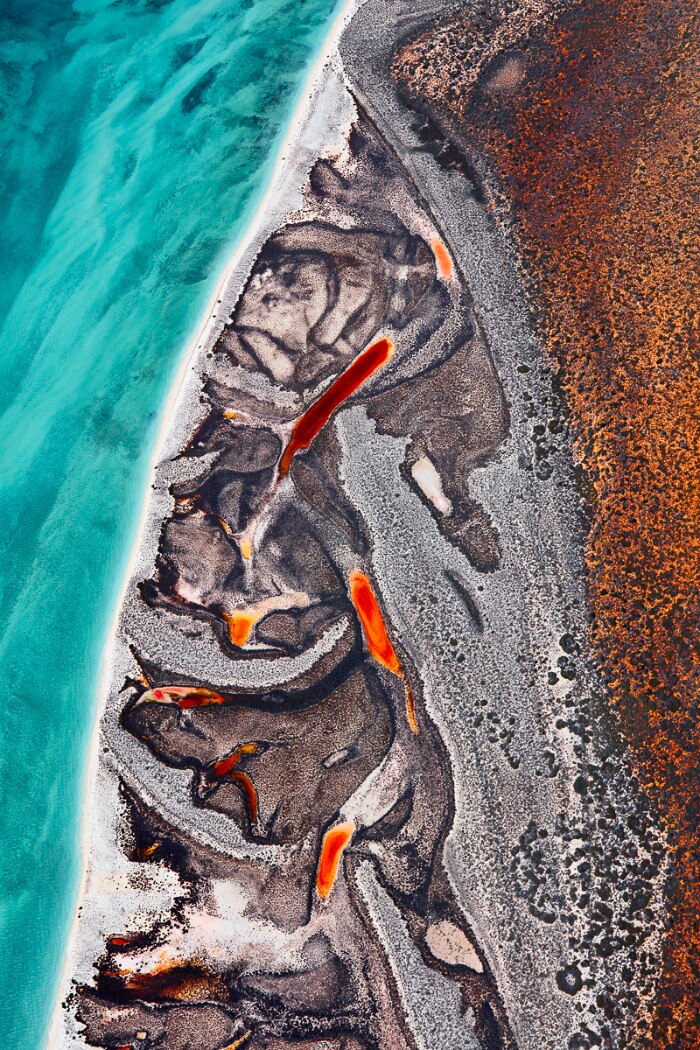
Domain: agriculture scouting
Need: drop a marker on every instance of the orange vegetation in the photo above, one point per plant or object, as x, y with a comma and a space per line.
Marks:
410, 708
249, 793
378, 641
245, 545
238, 1042
225, 767
240, 624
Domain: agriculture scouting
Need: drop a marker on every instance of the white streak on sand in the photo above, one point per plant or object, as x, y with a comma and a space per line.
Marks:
424, 473
205, 329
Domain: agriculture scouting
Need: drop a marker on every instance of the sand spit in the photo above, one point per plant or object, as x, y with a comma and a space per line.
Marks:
353, 779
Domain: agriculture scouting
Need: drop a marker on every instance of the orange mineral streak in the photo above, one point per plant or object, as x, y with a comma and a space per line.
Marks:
249, 793
334, 842
315, 418
442, 259
226, 767
597, 153
377, 636
240, 625
367, 606
245, 546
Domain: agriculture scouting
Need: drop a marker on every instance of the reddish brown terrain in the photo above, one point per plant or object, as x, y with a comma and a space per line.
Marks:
589, 123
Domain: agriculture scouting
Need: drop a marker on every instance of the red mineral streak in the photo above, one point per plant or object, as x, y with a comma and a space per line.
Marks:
184, 697
315, 418
334, 842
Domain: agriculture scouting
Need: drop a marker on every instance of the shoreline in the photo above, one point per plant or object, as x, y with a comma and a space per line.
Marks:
202, 333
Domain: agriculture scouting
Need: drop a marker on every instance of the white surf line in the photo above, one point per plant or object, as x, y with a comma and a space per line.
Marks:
204, 329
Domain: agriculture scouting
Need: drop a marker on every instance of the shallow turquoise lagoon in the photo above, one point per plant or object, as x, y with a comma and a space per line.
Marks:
137, 138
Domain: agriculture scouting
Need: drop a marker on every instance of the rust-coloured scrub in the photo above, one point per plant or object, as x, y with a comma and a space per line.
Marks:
596, 146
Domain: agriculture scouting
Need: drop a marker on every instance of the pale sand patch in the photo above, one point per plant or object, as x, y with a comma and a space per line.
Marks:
425, 475
451, 945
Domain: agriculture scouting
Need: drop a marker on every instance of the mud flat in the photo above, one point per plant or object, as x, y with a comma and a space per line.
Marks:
355, 783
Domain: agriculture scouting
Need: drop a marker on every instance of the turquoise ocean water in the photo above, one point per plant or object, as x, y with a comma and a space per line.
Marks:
136, 140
